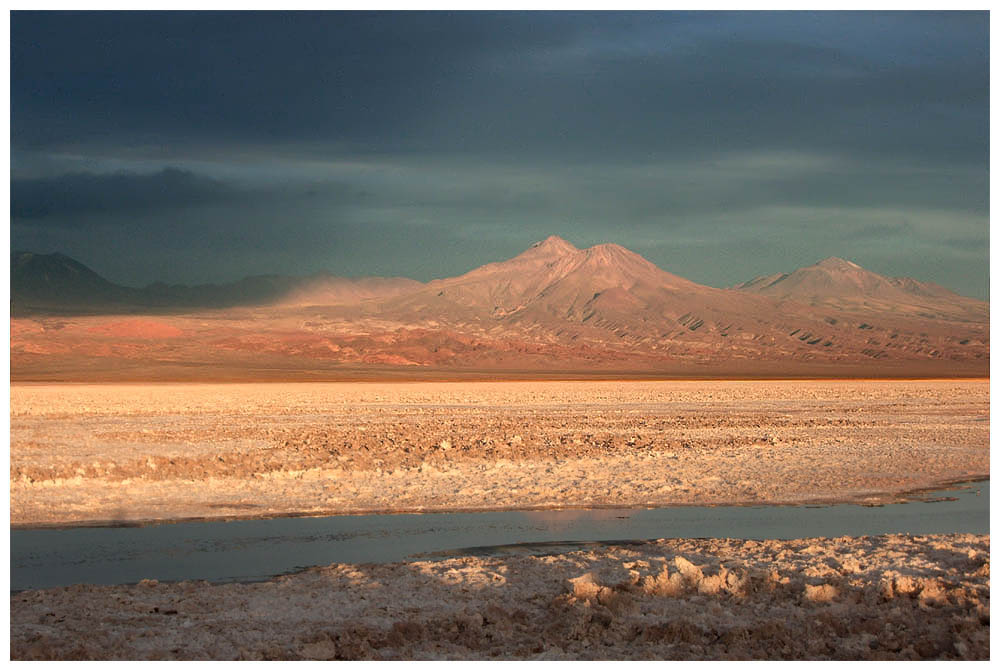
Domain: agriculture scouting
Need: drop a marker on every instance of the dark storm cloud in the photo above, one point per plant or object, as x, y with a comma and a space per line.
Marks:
83, 193
91, 198
423, 143
80, 77
723, 97
538, 84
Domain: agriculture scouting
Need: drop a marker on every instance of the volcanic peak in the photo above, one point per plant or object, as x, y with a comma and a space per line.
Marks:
557, 249
837, 263
609, 253
555, 245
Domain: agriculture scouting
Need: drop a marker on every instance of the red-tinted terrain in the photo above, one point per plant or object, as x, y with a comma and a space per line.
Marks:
553, 310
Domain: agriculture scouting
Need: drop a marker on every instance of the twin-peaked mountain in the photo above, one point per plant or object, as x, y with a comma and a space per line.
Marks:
551, 280
553, 306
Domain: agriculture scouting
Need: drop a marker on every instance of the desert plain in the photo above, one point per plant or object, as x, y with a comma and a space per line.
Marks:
158, 452
85, 454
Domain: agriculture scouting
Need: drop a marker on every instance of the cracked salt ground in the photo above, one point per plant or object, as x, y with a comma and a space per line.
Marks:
881, 597
91, 453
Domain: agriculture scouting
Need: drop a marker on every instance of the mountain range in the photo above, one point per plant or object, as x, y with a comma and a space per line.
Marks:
56, 283
553, 307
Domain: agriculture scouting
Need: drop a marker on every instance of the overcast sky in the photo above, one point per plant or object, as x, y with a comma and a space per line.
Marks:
198, 147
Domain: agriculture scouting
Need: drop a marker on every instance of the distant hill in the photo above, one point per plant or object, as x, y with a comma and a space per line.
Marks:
57, 281
844, 285
59, 284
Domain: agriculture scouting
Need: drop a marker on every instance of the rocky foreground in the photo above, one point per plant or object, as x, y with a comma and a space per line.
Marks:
882, 597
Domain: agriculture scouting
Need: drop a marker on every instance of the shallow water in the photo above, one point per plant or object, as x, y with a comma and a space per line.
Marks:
256, 549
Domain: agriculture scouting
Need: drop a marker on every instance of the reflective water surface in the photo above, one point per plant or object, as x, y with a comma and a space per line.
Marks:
257, 549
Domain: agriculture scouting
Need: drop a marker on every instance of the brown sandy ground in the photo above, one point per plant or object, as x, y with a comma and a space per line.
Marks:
879, 597
83, 453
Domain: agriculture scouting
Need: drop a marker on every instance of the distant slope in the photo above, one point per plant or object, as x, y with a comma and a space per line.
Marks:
843, 285
56, 280
59, 284
330, 290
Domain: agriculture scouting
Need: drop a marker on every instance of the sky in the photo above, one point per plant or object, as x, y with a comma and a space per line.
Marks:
195, 147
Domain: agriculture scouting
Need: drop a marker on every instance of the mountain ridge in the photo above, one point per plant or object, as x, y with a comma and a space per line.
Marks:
553, 252
554, 306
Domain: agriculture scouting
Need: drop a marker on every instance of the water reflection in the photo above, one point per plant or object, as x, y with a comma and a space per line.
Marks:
256, 549
564, 519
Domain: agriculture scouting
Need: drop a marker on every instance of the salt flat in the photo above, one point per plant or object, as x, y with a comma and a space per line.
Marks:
130, 452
